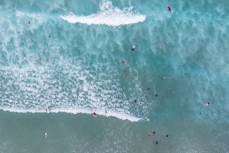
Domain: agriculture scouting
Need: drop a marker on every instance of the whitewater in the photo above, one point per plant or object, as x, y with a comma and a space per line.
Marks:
29, 83
61, 61
107, 15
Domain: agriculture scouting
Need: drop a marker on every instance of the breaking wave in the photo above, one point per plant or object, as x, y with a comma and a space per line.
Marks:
108, 15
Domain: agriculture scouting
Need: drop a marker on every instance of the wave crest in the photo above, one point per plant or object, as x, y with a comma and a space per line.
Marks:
109, 113
108, 15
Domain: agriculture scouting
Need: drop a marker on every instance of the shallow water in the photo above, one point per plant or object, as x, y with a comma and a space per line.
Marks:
75, 57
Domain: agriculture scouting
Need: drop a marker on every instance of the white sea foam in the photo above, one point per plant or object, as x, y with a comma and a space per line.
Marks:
108, 15
37, 16
37, 89
109, 113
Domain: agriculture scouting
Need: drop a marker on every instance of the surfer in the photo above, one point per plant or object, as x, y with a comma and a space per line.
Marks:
169, 8
94, 114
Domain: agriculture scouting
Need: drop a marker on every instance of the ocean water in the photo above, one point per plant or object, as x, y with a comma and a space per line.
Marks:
60, 61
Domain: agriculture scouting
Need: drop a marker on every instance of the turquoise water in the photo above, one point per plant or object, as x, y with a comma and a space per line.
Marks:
75, 58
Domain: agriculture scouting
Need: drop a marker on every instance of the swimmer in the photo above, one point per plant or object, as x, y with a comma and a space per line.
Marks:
48, 109
156, 142
124, 62
154, 132
169, 8
94, 114
162, 46
156, 95
135, 101
148, 89
167, 135
149, 136
29, 22
46, 135
206, 105
49, 36
133, 47
105, 111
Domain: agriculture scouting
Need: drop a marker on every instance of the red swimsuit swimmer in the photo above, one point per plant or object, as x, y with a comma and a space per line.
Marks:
169, 8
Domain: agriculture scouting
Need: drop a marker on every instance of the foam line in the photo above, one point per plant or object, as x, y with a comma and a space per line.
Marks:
108, 15
109, 113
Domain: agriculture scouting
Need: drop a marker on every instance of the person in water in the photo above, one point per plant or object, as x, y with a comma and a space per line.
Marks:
169, 8
48, 109
46, 135
149, 136
94, 114
133, 47
206, 105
